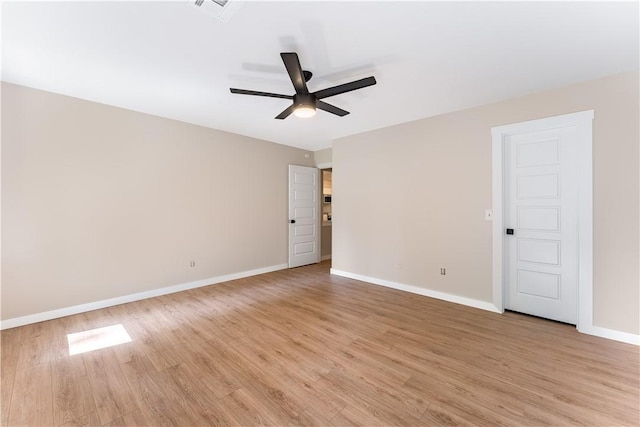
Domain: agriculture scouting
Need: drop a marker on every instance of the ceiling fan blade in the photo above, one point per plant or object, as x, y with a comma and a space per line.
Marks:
286, 112
254, 92
331, 108
294, 69
347, 87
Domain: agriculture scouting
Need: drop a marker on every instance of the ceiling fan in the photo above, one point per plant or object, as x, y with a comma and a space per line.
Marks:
304, 102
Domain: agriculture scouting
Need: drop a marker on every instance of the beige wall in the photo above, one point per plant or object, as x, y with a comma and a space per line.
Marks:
322, 157
100, 202
436, 183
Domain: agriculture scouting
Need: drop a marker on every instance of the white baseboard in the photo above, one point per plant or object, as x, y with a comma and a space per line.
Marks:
325, 257
611, 334
82, 308
593, 330
420, 291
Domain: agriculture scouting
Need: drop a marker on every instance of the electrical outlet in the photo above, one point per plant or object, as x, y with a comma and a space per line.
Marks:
192, 264
443, 271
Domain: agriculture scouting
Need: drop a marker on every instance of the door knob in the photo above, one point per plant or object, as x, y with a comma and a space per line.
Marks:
293, 221
509, 230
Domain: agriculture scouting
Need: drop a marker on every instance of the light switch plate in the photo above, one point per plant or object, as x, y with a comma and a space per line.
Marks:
488, 214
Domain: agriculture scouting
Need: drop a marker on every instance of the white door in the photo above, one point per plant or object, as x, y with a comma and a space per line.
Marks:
541, 210
304, 204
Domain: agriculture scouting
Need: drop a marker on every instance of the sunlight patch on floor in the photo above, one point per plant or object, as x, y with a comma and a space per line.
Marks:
95, 339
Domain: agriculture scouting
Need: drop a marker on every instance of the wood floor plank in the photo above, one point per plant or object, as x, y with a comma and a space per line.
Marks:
154, 390
370, 399
248, 410
274, 393
35, 349
356, 415
88, 420
151, 340
316, 400
193, 387
110, 390
10, 341
204, 361
314, 417
59, 343
437, 416
72, 392
302, 347
549, 381
135, 418
31, 400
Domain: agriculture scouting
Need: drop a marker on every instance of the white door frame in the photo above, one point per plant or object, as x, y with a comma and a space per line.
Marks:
583, 123
326, 165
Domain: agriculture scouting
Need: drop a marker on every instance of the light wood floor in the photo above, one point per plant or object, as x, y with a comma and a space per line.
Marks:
300, 347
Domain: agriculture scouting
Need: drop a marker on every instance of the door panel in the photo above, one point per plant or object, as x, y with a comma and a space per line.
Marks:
538, 186
545, 285
540, 153
541, 206
538, 251
304, 205
538, 218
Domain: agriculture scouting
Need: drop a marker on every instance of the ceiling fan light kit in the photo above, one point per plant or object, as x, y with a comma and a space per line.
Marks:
304, 112
305, 103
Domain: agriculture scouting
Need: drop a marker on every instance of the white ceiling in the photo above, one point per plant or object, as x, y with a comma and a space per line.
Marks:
172, 60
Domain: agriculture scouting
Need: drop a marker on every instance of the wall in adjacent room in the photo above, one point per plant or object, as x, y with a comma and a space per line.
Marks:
325, 248
100, 202
434, 176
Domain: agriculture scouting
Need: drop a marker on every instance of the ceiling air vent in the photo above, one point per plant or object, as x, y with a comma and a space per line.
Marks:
221, 9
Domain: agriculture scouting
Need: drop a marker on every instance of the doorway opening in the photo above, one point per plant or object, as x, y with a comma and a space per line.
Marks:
326, 224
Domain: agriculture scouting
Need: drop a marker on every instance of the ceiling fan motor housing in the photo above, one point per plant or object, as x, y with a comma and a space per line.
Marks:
304, 100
